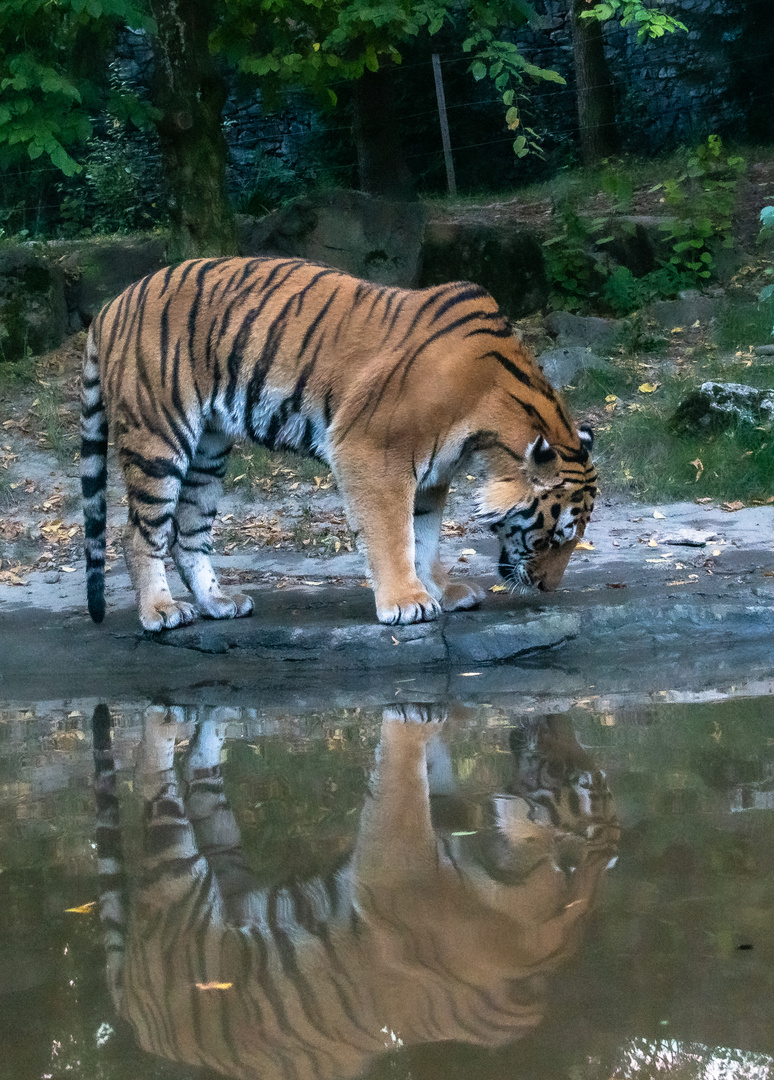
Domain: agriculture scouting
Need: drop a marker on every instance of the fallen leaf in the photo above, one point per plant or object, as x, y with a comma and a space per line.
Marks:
498, 588
312, 582
468, 551
648, 388
716, 553
706, 499
584, 545
697, 464
214, 986
67, 569
611, 398
653, 542
659, 515
731, 507
677, 329
394, 640
84, 909
469, 674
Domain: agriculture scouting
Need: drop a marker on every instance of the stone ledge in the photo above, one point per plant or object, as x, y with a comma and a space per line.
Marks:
455, 640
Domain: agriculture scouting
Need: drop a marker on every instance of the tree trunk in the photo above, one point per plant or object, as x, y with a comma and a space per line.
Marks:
595, 96
190, 95
381, 161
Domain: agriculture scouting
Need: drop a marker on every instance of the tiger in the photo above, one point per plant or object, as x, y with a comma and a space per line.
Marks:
394, 389
423, 935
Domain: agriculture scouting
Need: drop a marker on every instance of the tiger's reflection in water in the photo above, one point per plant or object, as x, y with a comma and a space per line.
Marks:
424, 936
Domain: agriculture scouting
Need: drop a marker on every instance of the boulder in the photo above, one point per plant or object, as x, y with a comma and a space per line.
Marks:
506, 260
720, 405
375, 239
690, 307
33, 311
562, 366
100, 269
589, 332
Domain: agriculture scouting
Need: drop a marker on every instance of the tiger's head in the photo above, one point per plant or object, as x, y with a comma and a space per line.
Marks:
540, 510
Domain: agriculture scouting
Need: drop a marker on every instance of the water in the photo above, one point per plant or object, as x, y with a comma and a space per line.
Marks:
454, 891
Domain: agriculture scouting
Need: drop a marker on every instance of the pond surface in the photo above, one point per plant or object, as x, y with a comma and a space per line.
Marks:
414, 891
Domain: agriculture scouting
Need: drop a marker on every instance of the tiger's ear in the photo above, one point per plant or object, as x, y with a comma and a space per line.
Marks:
586, 436
540, 459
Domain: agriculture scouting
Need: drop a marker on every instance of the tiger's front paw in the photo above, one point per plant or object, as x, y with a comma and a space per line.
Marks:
417, 606
461, 595
166, 614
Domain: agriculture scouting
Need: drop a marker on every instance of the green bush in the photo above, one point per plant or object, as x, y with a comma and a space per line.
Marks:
701, 201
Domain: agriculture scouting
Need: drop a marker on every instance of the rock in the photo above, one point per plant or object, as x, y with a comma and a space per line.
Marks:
101, 269
764, 350
506, 260
690, 538
51, 577
589, 331
562, 366
375, 239
718, 405
33, 310
690, 307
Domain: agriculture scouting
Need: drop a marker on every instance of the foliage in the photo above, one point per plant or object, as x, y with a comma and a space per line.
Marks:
650, 22
574, 265
119, 187
318, 44
47, 72
767, 232
701, 200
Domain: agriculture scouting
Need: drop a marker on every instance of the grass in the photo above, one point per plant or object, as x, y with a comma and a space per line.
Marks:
17, 373
639, 456
55, 422
255, 466
741, 325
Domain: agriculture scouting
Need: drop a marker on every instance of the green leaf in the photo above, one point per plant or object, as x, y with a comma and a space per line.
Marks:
478, 70
512, 118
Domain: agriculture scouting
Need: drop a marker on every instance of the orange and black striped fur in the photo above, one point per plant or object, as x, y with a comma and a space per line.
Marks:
395, 389
428, 933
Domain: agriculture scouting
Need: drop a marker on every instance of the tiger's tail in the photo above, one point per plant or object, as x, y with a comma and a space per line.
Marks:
94, 437
110, 861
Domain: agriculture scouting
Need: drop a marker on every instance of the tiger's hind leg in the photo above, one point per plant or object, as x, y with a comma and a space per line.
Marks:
196, 509
153, 478
452, 594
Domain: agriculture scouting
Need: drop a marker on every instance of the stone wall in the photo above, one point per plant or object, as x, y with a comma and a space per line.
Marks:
669, 91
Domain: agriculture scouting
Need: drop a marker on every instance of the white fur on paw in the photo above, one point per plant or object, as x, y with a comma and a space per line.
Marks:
462, 595
421, 608
226, 607
166, 615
